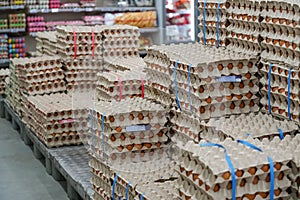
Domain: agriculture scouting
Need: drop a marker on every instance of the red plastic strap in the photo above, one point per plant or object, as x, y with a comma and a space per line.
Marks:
143, 88
120, 87
75, 45
93, 43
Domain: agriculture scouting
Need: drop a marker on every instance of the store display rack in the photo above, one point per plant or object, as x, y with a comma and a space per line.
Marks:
69, 164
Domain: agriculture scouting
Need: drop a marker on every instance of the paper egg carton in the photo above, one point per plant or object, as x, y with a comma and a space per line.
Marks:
81, 86
46, 43
211, 21
120, 85
255, 125
81, 75
85, 64
202, 177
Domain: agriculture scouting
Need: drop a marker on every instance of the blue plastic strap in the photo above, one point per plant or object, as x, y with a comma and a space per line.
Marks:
93, 131
204, 21
269, 87
289, 93
102, 127
249, 145
280, 134
142, 196
272, 176
218, 23
114, 186
127, 191
230, 165
176, 88
189, 82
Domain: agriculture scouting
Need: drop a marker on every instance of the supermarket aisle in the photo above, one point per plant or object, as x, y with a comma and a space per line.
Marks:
21, 175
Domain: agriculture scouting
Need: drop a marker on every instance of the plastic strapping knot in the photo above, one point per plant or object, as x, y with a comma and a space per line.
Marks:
269, 87
289, 93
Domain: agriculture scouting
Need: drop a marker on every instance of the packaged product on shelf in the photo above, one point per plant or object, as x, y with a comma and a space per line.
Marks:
36, 24
3, 47
17, 21
3, 24
16, 47
54, 3
144, 19
94, 20
232, 169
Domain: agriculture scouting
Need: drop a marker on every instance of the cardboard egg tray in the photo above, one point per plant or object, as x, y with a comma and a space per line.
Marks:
204, 173
124, 64
81, 86
46, 43
258, 126
120, 85
186, 126
39, 75
210, 22
141, 177
280, 30
244, 26
4, 73
85, 64
279, 90
55, 120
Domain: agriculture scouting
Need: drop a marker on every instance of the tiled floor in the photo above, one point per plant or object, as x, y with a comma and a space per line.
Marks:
21, 175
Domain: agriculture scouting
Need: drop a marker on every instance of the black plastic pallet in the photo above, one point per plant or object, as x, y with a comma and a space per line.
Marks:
66, 164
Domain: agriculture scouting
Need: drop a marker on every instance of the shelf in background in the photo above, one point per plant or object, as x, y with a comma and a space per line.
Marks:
12, 30
91, 9
14, 7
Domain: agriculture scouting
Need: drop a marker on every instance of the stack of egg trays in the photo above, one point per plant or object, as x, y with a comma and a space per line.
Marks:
76, 42
124, 63
204, 173
158, 82
134, 130
290, 145
120, 41
13, 93
119, 85
139, 175
4, 73
254, 125
281, 32
211, 22
244, 29
54, 119
81, 74
279, 90
46, 43
39, 75
210, 93
185, 127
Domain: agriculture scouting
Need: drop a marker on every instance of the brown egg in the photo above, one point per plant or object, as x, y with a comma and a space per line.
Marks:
220, 67
122, 137
241, 85
138, 146
232, 106
188, 173
216, 188
113, 157
263, 194
251, 84
240, 65
140, 116
180, 193
231, 86
219, 99
281, 90
201, 89
277, 192
249, 95
229, 186
242, 104
111, 119
212, 108
200, 69
267, 179
208, 79
230, 66
211, 88
148, 145
229, 98
182, 169
294, 45
207, 187
265, 168
222, 107
255, 180
113, 138
248, 75
129, 147
120, 148
121, 118
274, 109
131, 117
210, 68
158, 144
208, 100
226, 175
202, 109
243, 182
221, 87
195, 177
250, 64
238, 96
252, 170
239, 173
188, 197
250, 196
280, 176
132, 136
281, 111
200, 182
118, 129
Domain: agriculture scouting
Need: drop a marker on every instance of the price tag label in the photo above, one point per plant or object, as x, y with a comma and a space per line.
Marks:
76, 10
137, 128
229, 79
55, 10
89, 9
